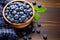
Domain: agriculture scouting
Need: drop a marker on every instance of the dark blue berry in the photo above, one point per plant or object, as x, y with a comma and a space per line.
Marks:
23, 18
16, 21
14, 12
21, 13
44, 36
33, 30
7, 11
38, 30
31, 13
8, 17
39, 5
25, 38
38, 24
24, 33
34, 2
20, 4
21, 8
12, 19
29, 37
27, 6
20, 20
16, 17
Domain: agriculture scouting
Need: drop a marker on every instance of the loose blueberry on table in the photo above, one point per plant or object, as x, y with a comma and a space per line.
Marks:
45, 36
18, 12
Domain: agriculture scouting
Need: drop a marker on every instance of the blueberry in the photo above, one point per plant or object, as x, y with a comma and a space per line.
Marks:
29, 37
31, 13
30, 26
29, 10
15, 6
25, 38
21, 13
27, 6
39, 5
16, 21
34, 2
17, 2
29, 16
25, 10
19, 16
24, 5
38, 30
14, 12
6, 14
7, 8
20, 4
45, 36
16, 17
24, 33
12, 19
7, 11
12, 7
33, 30
21, 8
23, 18
17, 9
8, 17
38, 24
20, 20
18, 13
10, 11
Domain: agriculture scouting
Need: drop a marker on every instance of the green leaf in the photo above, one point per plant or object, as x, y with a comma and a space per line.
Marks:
36, 16
36, 8
42, 9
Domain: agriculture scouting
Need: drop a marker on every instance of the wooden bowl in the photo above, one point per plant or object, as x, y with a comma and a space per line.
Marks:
19, 25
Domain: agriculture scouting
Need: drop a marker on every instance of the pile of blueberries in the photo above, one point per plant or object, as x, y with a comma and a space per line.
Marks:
18, 12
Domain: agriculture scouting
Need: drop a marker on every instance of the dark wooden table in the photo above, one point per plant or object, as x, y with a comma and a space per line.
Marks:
50, 20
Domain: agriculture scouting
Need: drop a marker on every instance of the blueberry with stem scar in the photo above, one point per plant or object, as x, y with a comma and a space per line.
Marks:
16, 17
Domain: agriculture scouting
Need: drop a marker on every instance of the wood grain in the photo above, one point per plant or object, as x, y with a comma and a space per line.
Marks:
50, 20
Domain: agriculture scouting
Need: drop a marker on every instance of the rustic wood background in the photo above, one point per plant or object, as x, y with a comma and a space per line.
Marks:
50, 20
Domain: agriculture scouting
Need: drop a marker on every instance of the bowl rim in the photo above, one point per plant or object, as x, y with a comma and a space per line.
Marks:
18, 23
